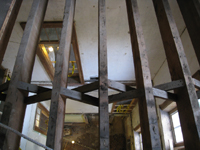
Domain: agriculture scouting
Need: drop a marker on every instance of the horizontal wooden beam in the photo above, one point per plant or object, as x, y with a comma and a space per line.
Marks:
87, 87
126, 96
49, 42
164, 95
38, 98
196, 83
4, 87
118, 86
171, 85
31, 87
79, 97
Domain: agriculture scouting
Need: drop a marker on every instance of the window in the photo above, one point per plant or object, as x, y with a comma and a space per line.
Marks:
178, 136
41, 119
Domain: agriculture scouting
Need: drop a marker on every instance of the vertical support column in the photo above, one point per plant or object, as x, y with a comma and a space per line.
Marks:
8, 13
14, 109
103, 78
187, 103
147, 107
190, 10
57, 110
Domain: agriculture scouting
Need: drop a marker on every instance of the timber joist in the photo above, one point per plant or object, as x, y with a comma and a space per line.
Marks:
78, 94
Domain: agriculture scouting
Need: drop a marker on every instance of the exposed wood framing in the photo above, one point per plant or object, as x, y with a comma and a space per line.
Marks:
79, 97
103, 78
196, 83
126, 96
9, 11
88, 87
118, 86
164, 95
77, 54
187, 102
45, 60
190, 10
2, 97
22, 72
171, 85
147, 107
44, 96
57, 109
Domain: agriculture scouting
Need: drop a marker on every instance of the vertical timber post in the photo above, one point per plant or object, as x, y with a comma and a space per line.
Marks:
187, 103
103, 78
14, 109
57, 109
8, 13
147, 108
190, 10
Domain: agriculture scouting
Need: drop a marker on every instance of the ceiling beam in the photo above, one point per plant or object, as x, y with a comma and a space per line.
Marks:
80, 97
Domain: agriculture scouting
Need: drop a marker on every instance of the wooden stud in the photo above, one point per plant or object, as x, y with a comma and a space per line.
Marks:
187, 102
190, 10
57, 109
147, 107
103, 78
22, 72
8, 13
4, 86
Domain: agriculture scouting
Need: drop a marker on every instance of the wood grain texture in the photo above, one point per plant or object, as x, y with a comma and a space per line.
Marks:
190, 10
22, 72
103, 78
7, 22
147, 108
187, 102
57, 109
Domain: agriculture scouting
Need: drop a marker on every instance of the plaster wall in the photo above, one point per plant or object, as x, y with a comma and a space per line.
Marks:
28, 128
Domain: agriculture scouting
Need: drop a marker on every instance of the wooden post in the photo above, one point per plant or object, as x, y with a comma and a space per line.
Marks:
147, 107
13, 113
57, 110
103, 78
187, 103
190, 10
8, 13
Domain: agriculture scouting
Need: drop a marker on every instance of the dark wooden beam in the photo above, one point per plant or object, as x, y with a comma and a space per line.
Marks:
103, 78
198, 94
187, 102
190, 10
45, 60
80, 97
126, 96
164, 95
49, 24
44, 96
87, 87
147, 108
77, 54
4, 86
196, 83
57, 109
8, 13
118, 86
31, 87
22, 72
171, 85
